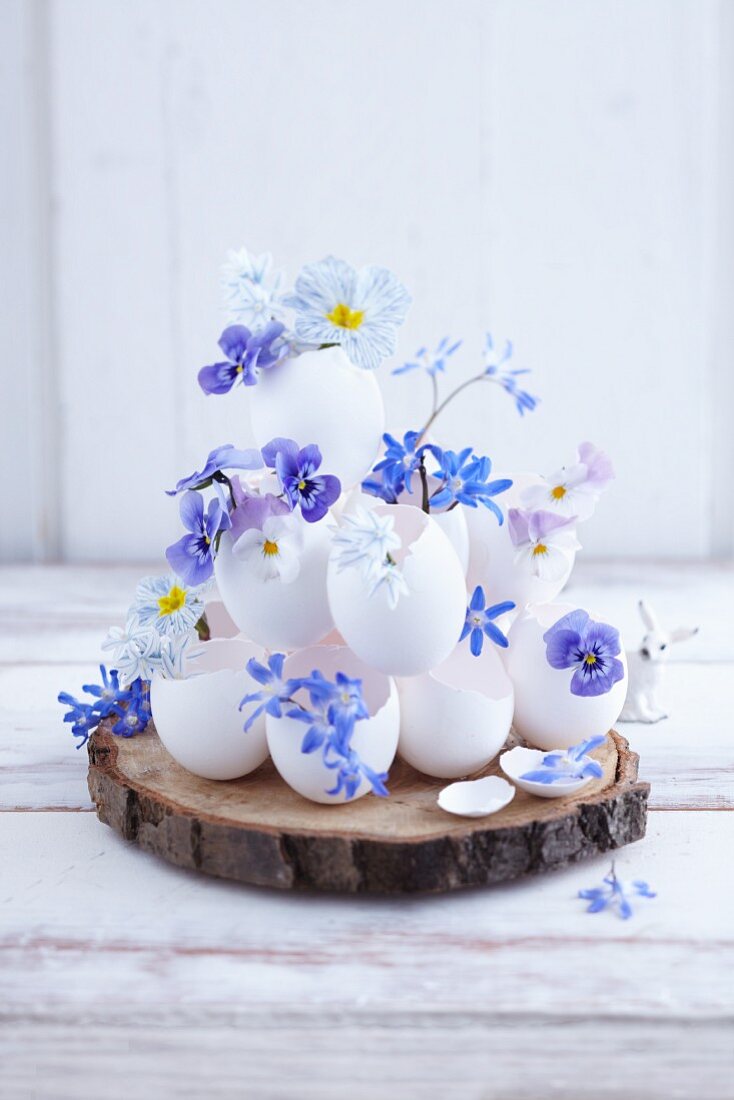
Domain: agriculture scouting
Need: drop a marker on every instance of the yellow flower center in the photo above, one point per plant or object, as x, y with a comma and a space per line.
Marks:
590, 659
270, 549
343, 316
558, 492
301, 486
174, 601
539, 548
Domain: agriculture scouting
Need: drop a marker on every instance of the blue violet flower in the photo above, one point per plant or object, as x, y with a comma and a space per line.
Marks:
247, 352
192, 557
313, 493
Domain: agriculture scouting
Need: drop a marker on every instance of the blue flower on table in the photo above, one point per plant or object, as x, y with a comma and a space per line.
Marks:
251, 288
83, 717
496, 371
275, 691
361, 311
591, 648
313, 493
574, 763
479, 621
432, 362
247, 353
108, 693
192, 557
225, 457
465, 481
615, 895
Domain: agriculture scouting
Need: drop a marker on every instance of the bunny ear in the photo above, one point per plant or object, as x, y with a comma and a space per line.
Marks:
682, 632
648, 616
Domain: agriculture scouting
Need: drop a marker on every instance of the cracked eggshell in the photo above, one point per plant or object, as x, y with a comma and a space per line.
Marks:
279, 616
492, 554
477, 797
320, 397
198, 718
455, 719
520, 760
421, 631
375, 738
547, 715
453, 523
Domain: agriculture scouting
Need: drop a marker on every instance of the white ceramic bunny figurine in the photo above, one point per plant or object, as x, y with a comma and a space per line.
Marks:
646, 667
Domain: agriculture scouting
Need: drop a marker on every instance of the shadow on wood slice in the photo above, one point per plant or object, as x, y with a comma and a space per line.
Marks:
257, 830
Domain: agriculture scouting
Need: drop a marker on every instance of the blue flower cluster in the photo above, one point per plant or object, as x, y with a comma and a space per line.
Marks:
459, 477
334, 709
130, 705
192, 557
615, 895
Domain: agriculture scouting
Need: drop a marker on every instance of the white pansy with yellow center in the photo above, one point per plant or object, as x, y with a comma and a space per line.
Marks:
275, 551
567, 492
544, 542
167, 604
359, 310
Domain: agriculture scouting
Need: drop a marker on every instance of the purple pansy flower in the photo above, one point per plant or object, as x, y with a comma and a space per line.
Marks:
313, 493
192, 557
576, 641
479, 621
225, 457
246, 352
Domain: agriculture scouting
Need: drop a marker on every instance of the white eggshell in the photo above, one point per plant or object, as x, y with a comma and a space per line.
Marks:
276, 615
547, 715
492, 553
477, 797
519, 760
455, 719
374, 738
452, 523
320, 397
198, 718
221, 623
422, 630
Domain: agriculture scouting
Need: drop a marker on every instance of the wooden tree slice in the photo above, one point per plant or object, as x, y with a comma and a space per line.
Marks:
258, 830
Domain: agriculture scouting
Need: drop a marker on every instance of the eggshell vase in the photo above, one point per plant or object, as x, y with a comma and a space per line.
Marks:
519, 761
492, 553
455, 719
421, 631
198, 718
375, 739
547, 715
320, 397
276, 615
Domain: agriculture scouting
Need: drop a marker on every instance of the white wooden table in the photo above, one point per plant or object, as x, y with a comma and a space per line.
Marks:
122, 976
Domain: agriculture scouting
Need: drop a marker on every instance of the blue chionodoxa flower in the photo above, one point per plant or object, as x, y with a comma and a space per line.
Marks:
615, 895
432, 362
333, 711
129, 704
247, 353
359, 310
225, 457
393, 473
574, 763
496, 371
465, 481
192, 557
479, 621
304, 488
591, 648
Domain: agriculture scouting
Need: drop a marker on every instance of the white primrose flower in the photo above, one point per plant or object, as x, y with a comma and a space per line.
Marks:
136, 650
364, 539
544, 542
275, 551
167, 604
174, 656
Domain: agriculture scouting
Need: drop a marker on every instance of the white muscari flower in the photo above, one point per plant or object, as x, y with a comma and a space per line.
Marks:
136, 650
390, 577
364, 539
174, 655
252, 290
167, 604
275, 551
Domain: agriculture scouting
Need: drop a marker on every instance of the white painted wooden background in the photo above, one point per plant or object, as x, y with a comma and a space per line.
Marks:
558, 170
